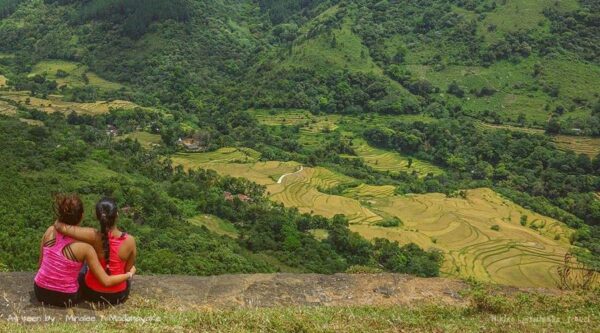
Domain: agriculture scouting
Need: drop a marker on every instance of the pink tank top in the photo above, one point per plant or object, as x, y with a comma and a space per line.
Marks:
56, 272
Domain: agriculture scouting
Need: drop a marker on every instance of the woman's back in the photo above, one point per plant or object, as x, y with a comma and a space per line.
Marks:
57, 272
119, 245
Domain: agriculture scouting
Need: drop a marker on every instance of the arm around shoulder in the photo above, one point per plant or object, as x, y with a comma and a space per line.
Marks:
106, 280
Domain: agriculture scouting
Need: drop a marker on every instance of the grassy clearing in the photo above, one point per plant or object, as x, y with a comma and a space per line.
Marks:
517, 91
501, 76
94, 171
320, 234
76, 75
579, 144
215, 224
383, 160
319, 53
517, 15
147, 140
576, 79
54, 103
488, 310
514, 255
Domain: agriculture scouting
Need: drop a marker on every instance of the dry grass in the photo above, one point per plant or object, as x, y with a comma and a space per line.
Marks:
488, 311
2, 81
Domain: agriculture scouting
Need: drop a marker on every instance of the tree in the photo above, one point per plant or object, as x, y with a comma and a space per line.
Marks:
455, 90
553, 126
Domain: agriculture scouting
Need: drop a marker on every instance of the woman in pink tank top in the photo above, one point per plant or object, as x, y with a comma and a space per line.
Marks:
61, 258
115, 249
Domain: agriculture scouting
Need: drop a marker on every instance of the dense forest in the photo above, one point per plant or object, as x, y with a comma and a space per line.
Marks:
201, 65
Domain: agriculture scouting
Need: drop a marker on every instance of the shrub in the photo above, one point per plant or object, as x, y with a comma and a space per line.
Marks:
390, 223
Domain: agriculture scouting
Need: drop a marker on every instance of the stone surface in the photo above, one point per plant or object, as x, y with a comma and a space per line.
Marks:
256, 290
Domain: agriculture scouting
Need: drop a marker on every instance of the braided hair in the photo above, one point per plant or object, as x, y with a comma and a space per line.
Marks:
106, 213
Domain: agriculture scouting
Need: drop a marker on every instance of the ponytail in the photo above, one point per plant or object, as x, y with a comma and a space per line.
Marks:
106, 213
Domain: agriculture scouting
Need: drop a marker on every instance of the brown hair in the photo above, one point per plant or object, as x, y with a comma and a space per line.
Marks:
68, 208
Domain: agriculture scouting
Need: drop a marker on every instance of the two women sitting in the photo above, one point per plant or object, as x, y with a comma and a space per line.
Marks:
78, 263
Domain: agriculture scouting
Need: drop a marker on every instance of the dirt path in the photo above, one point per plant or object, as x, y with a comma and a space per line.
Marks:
280, 180
257, 290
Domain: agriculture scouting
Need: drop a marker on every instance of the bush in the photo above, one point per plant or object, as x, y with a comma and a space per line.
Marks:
390, 223
495, 227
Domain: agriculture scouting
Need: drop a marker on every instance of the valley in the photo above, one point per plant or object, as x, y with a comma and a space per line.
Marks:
520, 252
434, 138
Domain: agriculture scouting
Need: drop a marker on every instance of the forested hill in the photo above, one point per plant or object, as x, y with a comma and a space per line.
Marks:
535, 60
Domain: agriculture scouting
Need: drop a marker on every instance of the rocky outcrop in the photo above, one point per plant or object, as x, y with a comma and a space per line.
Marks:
256, 290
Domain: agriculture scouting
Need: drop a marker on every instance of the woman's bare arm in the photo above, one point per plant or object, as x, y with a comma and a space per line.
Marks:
41, 251
106, 280
87, 235
132, 256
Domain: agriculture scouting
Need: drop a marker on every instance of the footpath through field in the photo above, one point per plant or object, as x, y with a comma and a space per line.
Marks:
280, 180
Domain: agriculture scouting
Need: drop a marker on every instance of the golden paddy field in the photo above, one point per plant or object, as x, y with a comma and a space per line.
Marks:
54, 103
526, 256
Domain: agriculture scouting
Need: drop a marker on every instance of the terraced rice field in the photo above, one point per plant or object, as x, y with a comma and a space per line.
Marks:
220, 156
383, 160
54, 103
515, 255
365, 191
7, 109
300, 190
461, 228
579, 144
77, 74
308, 122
